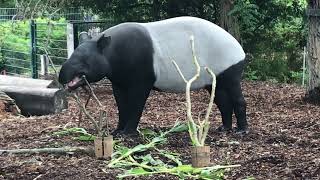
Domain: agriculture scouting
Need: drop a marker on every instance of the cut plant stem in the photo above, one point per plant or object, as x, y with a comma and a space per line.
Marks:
96, 126
198, 132
49, 150
144, 147
102, 112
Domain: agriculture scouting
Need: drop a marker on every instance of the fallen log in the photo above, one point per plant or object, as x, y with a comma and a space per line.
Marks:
26, 82
63, 150
37, 100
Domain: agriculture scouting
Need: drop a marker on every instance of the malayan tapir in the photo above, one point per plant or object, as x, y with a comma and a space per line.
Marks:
137, 57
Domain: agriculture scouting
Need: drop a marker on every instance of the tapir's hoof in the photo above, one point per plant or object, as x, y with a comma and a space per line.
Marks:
116, 132
125, 133
223, 129
131, 133
242, 131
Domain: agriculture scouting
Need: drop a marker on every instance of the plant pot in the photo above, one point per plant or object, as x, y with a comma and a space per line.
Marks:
103, 147
200, 156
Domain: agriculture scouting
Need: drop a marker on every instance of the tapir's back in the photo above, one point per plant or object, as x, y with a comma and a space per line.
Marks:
214, 48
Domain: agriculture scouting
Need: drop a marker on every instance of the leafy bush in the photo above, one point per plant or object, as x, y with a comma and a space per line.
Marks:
276, 70
15, 46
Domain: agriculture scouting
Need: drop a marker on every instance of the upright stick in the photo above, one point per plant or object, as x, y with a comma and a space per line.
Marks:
198, 132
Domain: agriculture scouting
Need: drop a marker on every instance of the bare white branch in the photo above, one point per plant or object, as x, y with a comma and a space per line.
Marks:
179, 71
198, 132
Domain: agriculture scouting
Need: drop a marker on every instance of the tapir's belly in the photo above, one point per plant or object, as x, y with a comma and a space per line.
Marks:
214, 48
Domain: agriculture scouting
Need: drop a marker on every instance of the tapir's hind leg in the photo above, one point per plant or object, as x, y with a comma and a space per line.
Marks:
229, 98
224, 104
239, 107
232, 78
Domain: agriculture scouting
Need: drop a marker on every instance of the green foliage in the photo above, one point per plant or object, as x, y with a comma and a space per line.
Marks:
273, 34
80, 134
15, 43
153, 140
276, 70
51, 36
15, 37
152, 163
7, 3
247, 14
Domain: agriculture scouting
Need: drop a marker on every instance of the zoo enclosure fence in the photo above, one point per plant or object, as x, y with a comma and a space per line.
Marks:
27, 42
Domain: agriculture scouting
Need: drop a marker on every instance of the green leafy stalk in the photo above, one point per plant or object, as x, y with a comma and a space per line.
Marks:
143, 147
144, 165
81, 133
182, 171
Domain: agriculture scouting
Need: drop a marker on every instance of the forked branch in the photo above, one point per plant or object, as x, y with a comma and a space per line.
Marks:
102, 113
198, 132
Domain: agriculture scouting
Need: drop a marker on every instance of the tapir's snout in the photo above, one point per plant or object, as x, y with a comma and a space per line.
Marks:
70, 78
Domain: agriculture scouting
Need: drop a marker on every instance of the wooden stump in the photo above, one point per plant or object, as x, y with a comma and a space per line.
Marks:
103, 147
200, 156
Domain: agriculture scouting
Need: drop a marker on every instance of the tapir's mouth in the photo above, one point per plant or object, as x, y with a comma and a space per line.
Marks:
74, 83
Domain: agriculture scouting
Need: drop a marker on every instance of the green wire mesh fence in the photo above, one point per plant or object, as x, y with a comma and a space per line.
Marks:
27, 45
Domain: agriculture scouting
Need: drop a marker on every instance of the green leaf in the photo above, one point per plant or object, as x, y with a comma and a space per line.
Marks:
147, 133
85, 138
134, 172
148, 159
179, 127
174, 157
184, 168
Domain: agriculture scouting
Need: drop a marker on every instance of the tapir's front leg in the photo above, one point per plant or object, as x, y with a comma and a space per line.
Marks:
120, 95
137, 97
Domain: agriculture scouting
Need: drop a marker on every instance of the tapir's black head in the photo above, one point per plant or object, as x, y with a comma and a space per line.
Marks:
88, 60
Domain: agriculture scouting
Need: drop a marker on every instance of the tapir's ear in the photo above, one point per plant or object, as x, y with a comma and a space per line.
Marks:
103, 41
83, 36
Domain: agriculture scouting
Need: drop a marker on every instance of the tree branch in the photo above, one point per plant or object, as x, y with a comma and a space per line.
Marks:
49, 150
198, 133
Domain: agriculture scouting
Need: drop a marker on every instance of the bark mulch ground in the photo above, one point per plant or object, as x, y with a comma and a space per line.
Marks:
284, 142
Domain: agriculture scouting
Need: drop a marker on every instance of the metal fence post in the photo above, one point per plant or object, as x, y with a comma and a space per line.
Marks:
44, 65
33, 35
70, 39
75, 35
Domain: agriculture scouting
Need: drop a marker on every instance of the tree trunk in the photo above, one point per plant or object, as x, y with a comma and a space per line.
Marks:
173, 9
156, 10
229, 23
313, 46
